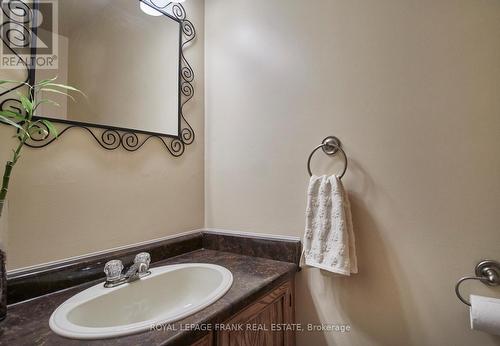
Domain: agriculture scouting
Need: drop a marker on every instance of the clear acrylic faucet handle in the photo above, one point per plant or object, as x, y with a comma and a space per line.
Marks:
143, 257
113, 270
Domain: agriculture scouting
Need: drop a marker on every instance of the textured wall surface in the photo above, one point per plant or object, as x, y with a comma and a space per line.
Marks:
411, 88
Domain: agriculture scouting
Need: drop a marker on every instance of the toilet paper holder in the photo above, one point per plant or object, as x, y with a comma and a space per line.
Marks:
487, 271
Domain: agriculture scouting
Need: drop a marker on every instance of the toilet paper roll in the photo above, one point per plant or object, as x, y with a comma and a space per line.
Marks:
485, 314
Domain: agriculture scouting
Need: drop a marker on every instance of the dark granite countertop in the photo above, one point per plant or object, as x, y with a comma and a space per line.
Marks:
27, 323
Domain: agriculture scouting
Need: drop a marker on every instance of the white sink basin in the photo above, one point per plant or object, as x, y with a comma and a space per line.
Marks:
169, 294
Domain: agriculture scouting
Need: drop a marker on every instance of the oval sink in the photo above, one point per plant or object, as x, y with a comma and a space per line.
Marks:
169, 294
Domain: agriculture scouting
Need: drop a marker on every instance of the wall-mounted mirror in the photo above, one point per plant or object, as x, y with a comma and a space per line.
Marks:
126, 61
126, 56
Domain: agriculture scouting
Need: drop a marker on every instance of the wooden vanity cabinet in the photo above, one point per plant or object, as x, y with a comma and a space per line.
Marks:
205, 341
264, 321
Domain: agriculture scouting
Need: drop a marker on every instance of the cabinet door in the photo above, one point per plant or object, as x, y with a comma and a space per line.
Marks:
261, 321
205, 341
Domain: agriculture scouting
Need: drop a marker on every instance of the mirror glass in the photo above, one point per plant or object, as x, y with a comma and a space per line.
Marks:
124, 60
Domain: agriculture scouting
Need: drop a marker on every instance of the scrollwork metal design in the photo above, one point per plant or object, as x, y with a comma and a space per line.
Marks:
111, 138
16, 34
187, 74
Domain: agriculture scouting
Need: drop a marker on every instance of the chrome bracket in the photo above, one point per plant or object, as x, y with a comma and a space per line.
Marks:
487, 271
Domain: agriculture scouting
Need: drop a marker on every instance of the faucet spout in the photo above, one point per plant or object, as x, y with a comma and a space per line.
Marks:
136, 271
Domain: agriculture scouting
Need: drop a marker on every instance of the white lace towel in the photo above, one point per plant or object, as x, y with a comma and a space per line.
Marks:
329, 237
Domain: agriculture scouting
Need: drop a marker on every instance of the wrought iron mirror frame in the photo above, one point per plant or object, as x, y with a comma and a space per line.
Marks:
108, 137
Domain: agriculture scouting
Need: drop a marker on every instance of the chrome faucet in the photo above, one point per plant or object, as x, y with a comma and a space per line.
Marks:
138, 270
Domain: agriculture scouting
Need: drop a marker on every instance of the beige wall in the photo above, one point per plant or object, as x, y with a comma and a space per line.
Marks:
74, 197
412, 89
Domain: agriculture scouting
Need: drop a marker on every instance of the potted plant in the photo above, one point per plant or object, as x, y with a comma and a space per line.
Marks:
26, 125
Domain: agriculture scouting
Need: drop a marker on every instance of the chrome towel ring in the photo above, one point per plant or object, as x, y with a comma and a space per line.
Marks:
330, 145
487, 271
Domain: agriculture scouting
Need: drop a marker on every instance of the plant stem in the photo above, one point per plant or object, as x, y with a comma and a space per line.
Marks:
17, 152
5, 184
8, 170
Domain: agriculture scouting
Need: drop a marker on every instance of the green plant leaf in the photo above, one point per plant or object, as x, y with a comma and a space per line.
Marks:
11, 123
4, 81
36, 127
52, 129
8, 81
58, 92
45, 81
12, 115
27, 104
67, 87
47, 101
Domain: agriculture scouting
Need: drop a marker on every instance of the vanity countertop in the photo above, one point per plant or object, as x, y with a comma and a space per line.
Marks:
27, 323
